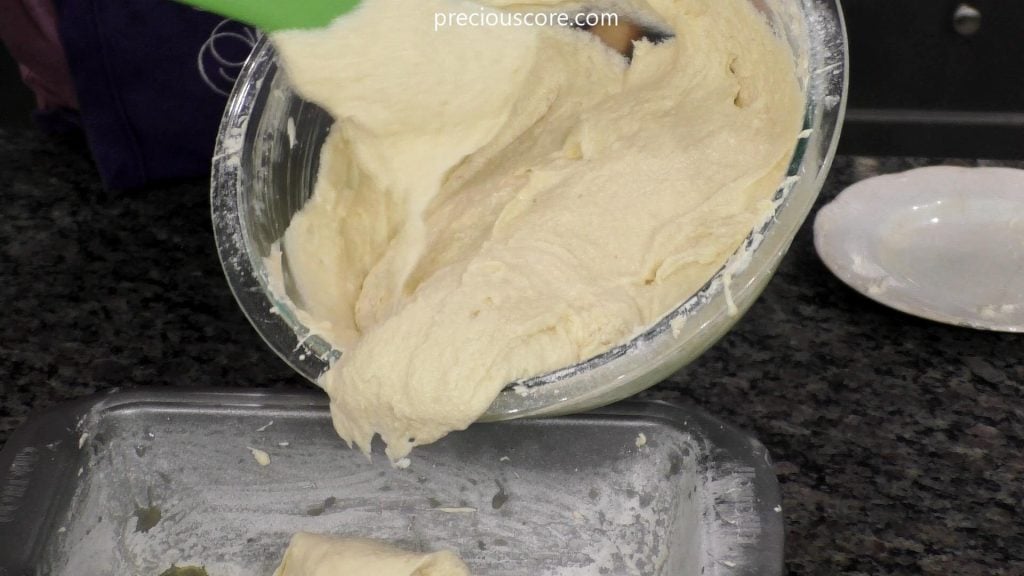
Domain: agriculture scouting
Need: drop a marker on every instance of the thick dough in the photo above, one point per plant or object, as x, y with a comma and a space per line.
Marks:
316, 555
496, 203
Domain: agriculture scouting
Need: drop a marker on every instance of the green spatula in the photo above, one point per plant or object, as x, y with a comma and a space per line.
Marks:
274, 15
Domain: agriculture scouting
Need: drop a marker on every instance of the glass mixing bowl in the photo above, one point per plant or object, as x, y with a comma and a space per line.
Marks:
267, 158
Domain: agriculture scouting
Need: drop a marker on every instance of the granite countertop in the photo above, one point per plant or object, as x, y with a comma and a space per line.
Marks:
897, 441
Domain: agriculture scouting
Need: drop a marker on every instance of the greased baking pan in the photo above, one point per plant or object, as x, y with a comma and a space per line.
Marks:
131, 483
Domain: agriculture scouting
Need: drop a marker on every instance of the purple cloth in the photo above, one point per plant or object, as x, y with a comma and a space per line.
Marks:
29, 29
152, 78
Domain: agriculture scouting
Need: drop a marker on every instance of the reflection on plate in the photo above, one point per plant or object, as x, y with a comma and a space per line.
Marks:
944, 243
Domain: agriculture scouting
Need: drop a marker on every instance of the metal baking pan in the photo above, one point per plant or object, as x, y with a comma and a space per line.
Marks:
131, 483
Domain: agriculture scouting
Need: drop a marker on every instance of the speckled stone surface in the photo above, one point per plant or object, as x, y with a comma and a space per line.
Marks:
899, 443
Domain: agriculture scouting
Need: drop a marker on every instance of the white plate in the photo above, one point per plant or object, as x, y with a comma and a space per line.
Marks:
944, 243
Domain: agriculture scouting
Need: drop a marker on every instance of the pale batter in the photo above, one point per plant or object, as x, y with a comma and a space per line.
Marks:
316, 555
496, 203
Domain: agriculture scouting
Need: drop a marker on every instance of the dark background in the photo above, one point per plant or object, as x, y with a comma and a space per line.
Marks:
16, 101
907, 54
917, 86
